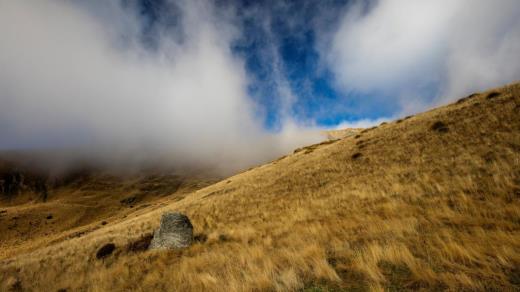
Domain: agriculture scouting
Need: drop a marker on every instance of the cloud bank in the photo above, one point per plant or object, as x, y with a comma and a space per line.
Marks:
425, 52
197, 83
79, 74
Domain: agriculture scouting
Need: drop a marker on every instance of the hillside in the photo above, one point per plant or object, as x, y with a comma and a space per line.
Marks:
428, 202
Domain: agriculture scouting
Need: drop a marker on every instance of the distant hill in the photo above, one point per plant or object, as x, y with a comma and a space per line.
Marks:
428, 202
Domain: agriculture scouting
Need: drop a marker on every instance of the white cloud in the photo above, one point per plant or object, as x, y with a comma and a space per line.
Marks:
408, 47
364, 123
71, 77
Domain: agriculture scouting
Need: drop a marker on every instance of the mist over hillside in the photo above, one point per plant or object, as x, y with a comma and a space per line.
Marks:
230, 84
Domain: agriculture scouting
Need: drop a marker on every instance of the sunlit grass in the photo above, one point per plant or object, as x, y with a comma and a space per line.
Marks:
418, 209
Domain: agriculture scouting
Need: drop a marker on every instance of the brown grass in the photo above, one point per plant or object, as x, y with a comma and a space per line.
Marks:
418, 210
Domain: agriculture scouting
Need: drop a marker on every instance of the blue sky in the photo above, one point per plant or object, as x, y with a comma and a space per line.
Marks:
279, 39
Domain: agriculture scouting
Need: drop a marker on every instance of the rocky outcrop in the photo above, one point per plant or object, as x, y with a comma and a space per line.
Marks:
175, 231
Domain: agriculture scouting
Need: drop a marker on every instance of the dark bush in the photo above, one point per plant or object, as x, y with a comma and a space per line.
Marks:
140, 244
493, 94
105, 250
356, 155
439, 127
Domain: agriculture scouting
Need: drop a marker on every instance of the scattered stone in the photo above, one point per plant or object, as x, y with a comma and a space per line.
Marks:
175, 231
3, 211
105, 250
440, 127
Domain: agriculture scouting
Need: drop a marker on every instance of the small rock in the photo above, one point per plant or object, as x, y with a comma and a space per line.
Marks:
175, 231
141, 244
439, 127
105, 250
492, 95
356, 155
49, 217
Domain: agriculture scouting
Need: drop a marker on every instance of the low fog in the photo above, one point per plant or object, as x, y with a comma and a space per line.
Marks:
77, 76
90, 80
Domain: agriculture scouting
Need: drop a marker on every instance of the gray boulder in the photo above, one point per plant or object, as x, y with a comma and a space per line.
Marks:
174, 232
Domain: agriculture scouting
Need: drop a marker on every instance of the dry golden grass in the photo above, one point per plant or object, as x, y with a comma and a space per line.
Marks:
419, 208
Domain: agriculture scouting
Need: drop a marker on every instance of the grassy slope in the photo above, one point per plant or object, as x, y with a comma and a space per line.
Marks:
83, 205
417, 208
